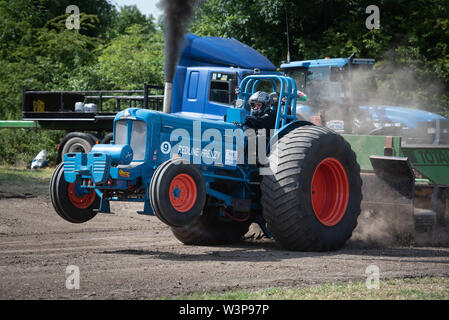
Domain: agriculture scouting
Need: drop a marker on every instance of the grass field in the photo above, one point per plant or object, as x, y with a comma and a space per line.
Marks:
428, 288
25, 175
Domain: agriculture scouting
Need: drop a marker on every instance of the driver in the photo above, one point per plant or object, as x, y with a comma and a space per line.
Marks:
263, 117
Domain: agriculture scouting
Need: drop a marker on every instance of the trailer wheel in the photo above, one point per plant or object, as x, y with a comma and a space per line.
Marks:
311, 201
70, 201
76, 144
178, 193
209, 230
107, 139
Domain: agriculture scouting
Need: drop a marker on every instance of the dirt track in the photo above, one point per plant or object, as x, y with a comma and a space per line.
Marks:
129, 256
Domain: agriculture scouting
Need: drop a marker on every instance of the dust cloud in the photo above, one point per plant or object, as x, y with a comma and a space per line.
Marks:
388, 83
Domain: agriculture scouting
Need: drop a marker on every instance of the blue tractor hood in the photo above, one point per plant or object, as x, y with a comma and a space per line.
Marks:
406, 116
222, 52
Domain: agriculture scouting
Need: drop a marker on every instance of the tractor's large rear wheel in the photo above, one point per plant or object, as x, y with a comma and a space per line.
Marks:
312, 199
71, 202
210, 230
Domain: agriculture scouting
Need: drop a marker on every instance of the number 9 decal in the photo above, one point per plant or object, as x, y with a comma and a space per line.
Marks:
165, 147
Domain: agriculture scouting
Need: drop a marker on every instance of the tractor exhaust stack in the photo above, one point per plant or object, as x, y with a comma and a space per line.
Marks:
176, 15
168, 94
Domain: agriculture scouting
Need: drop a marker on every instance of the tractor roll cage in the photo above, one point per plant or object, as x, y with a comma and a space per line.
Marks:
285, 112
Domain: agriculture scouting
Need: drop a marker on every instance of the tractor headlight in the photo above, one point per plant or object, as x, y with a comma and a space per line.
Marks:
119, 153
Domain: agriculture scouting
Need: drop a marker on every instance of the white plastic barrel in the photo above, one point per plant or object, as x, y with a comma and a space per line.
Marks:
79, 107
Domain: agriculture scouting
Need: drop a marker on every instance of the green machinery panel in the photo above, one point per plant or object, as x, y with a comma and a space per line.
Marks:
431, 161
366, 146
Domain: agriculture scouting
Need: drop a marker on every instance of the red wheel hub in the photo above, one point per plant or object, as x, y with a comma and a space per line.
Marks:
183, 192
330, 191
80, 201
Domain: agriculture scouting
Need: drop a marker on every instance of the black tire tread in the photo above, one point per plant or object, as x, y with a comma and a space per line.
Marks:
281, 206
207, 231
62, 207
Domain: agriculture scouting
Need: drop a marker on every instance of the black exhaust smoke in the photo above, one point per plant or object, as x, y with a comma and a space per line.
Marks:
176, 16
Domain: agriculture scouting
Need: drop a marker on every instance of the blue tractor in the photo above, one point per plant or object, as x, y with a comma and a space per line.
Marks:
208, 178
342, 95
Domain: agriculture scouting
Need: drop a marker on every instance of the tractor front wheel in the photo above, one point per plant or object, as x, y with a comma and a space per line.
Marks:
71, 202
177, 192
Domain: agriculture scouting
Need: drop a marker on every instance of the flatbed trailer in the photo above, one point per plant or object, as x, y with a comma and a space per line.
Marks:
57, 110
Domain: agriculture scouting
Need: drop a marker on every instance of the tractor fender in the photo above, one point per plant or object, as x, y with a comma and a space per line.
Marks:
286, 129
86, 136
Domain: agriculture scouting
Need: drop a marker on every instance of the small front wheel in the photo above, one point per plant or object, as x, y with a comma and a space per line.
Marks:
178, 193
71, 202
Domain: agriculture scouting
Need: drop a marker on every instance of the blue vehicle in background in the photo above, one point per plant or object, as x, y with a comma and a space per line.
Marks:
342, 95
209, 72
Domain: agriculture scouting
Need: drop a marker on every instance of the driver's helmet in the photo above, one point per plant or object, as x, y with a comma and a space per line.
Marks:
259, 102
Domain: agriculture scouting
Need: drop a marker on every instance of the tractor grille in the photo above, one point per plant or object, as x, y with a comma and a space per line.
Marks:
101, 164
72, 163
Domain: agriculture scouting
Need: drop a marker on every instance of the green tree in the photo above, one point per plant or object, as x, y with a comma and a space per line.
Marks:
132, 59
412, 39
37, 51
50, 61
129, 16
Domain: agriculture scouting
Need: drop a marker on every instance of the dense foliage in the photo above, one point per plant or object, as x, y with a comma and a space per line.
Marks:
120, 48
113, 49
411, 45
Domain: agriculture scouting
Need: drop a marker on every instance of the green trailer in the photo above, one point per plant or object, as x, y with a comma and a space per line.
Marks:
409, 181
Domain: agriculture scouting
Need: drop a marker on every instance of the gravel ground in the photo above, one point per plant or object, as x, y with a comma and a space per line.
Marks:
129, 256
